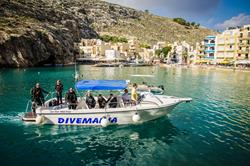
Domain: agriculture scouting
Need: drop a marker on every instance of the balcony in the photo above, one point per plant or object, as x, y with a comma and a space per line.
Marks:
243, 51
244, 38
209, 51
229, 50
244, 44
210, 44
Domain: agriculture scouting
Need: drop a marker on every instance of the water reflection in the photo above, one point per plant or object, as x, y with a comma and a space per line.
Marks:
96, 145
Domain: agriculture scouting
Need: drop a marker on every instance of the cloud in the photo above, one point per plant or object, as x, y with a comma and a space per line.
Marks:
241, 19
173, 6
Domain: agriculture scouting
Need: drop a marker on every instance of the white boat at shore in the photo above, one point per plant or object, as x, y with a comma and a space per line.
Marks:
149, 107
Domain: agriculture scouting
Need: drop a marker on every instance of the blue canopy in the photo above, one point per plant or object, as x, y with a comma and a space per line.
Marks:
101, 85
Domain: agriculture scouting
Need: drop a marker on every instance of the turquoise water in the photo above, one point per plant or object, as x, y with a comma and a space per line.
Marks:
214, 129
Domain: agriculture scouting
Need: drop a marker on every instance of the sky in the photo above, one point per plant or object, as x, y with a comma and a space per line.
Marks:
214, 14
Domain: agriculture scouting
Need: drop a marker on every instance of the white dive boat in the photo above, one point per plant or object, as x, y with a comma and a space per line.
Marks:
149, 107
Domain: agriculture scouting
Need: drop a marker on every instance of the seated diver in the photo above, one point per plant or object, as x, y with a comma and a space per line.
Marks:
90, 100
101, 101
112, 101
71, 98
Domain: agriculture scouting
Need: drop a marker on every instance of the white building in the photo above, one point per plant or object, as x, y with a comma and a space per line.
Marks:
112, 54
180, 52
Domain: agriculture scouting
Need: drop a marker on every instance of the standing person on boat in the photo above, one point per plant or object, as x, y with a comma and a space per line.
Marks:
126, 97
90, 100
134, 95
112, 101
59, 89
37, 95
71, 98
101, 101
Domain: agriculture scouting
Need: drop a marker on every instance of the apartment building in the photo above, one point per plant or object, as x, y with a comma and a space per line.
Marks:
209, 47
227, 45
243, 52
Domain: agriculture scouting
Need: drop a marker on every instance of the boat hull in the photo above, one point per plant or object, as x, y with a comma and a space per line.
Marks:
114, 118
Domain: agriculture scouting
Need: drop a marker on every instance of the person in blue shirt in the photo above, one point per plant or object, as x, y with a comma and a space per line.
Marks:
125, 97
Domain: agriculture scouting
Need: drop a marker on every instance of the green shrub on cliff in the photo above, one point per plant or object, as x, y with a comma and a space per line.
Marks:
164, 51
186, 23
113, 39
145, 45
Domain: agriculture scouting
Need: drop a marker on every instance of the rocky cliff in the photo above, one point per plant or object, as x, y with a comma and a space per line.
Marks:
36, 32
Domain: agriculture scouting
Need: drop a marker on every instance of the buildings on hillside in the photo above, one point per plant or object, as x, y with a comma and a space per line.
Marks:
100, 50
229, 47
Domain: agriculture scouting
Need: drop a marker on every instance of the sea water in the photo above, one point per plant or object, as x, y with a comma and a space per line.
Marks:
214, 129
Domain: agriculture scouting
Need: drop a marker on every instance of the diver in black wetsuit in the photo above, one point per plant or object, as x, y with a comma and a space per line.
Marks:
71, 98
101, 101
59, 89
37, 95
90, 100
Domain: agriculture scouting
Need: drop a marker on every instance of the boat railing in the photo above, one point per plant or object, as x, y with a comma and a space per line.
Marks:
109, 105
151, 102
51, 94
28, 105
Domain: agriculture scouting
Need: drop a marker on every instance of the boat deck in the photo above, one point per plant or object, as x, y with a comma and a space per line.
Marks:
29, 117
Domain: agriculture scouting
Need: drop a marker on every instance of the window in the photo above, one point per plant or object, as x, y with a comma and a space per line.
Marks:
240, 48
239, 55
246, 56
231, 46
241, 34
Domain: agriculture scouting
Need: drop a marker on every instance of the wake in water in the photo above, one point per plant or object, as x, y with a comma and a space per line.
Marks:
11, 118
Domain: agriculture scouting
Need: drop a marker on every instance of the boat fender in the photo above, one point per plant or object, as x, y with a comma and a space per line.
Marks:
39, 119
136, 117
104, 122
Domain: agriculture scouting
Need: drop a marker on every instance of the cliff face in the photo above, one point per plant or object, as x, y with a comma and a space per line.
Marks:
34, 32
148, 28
